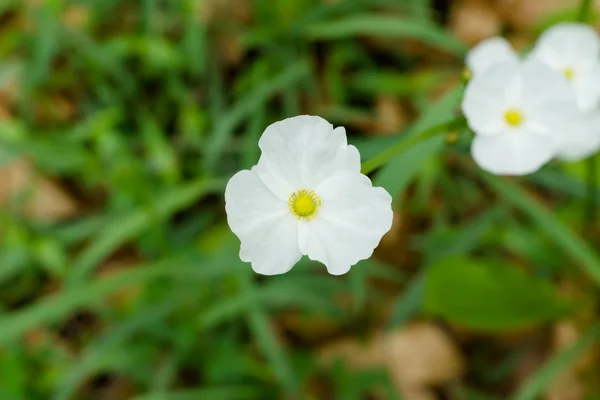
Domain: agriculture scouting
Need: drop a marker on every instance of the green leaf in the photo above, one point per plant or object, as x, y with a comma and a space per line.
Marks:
386, 26
488, 296
209, 393
561, 235
409, 302
402, 169
395, 83
537, 383
51, 309
247, 105
130, 226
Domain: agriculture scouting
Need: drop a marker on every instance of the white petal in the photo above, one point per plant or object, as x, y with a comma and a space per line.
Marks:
489, 52
587, 88
486, 97
543, 85
582, 138
512, 153
350, 223
568, 45
300, 152
266, 228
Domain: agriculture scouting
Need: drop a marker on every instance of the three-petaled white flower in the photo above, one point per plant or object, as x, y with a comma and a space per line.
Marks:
574, 50
517, 111
306, 196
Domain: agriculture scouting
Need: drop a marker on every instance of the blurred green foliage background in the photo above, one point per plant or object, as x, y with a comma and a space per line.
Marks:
120, 123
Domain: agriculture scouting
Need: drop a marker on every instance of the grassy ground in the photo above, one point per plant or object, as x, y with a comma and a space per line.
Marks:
120, 123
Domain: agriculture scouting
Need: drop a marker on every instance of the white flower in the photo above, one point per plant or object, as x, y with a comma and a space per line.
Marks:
517, 112
574, 50
490, 52
306, 196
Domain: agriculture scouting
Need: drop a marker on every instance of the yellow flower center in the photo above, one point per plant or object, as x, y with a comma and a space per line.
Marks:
513, 117
569, 73
304, 204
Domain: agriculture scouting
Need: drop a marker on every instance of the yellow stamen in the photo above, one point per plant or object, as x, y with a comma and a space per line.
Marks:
569, 73
466, 75
304, 204
513, 117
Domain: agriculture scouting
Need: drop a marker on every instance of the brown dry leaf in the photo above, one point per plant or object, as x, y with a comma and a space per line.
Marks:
418, 355
118, 388
474, 20
569, 385
423, 354
308, 326
418, 393
213, 10
394, 248
121, 261
357, 355
56, 108
392, 116
523, 14
48, 202
76, 17
230, 48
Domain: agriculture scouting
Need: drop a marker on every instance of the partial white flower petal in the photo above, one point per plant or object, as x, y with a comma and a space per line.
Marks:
300, 152
512, 153
543, 86
582, 138
568, 45
490, 52
350, 223
486, 98
587, 88
267, 230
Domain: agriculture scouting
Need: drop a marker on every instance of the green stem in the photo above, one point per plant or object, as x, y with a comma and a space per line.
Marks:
590, 210
590, 217
584, 10
405, 144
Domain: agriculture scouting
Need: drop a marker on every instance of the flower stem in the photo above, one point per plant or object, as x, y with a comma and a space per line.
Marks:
405, 144
584, 10
591, 214
590, 217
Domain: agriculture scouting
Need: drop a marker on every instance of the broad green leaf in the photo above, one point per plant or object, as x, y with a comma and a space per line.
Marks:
386, 26
488, 296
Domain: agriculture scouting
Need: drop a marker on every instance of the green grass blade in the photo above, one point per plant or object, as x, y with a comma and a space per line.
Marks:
386, 26
259, 325
536, 384
247, 105
52, 309
131, 226
209, 393
563, 237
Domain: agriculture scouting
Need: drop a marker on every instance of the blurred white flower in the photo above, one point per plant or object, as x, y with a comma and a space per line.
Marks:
306, 196
574, 50
490, 52
517, 111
